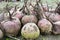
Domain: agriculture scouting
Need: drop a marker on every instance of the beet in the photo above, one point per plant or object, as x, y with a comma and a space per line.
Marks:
19, 14
54, 17
45, 26
29, 18
56, 28
30, 31
43, 23
11, 27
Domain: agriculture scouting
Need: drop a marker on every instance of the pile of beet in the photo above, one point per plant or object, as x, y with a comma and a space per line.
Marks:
30, 21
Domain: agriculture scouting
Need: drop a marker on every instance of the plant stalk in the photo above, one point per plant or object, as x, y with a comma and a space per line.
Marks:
13, 38
10, 15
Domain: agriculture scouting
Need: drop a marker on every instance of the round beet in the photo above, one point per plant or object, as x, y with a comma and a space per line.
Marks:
30, 31
11, 27
45, 26
29, 18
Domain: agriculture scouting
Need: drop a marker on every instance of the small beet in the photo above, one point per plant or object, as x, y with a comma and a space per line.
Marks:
19, 14
29, 18
1, 34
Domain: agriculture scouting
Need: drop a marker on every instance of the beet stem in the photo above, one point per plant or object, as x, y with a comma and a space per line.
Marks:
14, 10
10, 15
13, 37
39, 10
25, 2
47, 6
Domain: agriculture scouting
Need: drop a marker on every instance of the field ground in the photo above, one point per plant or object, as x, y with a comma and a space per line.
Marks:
20, 4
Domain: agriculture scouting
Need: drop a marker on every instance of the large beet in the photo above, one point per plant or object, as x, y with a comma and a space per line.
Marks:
29, 18
30, 31
11, 27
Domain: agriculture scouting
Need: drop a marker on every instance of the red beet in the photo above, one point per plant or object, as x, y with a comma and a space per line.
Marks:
43, 23
45, 26
11, 27
29, 18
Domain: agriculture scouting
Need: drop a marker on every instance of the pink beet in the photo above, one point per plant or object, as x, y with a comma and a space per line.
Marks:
29, 18
45, 25
11, 27
19, 14
55, 17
